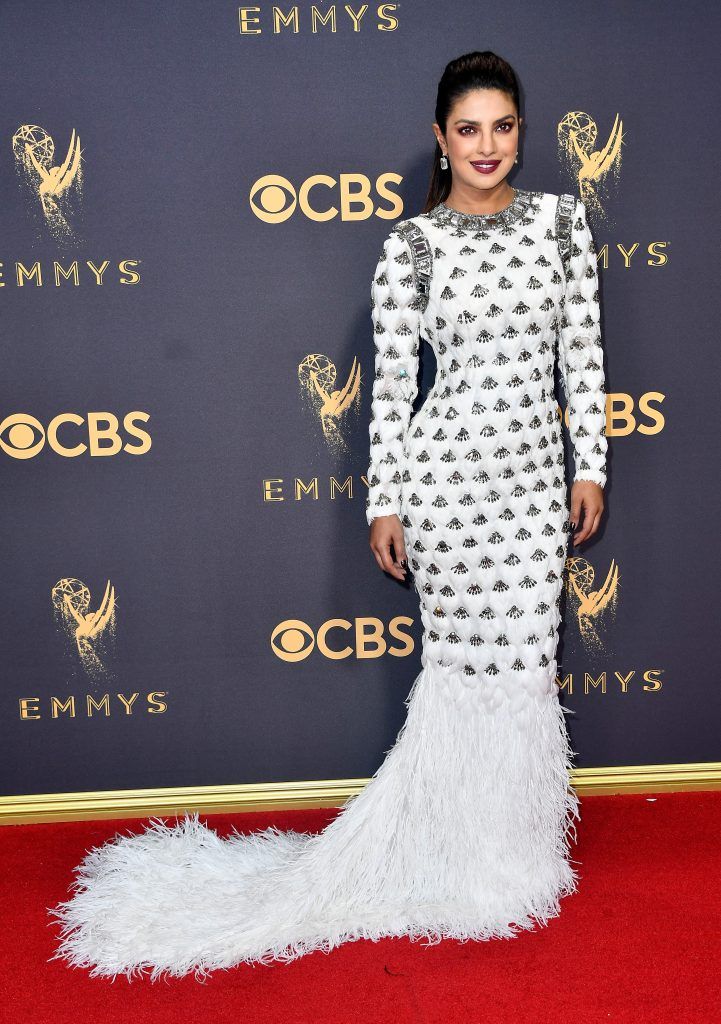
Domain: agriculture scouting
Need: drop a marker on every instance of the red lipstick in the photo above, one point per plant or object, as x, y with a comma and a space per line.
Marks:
485, 166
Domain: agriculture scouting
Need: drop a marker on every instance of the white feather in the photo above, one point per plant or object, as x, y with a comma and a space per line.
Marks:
463, 832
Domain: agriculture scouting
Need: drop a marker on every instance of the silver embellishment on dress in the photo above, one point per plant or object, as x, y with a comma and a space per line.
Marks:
399, 385
516, 208
565, 209
421, 256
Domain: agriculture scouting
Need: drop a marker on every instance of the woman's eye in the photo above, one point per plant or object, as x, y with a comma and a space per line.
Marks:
506, 124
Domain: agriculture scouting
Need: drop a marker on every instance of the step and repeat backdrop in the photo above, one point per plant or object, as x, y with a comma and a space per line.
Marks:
194, 198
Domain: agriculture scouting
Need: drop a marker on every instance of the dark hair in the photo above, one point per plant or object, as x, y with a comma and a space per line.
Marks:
478, 70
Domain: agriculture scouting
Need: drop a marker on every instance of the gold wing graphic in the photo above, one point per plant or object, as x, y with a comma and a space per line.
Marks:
599, 162
57, 179
338, 401
93, 623
593, 602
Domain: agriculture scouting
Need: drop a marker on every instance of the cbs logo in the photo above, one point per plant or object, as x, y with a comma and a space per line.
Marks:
626, 414
294, 640
22, 436
274, 199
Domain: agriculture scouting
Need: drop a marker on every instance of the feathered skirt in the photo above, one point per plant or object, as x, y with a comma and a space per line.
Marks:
463, 832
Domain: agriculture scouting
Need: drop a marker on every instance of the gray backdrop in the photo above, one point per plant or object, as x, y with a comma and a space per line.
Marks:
209, 542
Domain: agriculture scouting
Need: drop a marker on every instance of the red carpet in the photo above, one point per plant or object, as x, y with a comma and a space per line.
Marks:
640, 942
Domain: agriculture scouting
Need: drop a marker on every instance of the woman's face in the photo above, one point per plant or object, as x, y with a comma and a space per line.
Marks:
482, 128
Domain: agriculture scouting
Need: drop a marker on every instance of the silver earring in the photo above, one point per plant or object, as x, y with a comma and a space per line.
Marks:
444, 162
516, 160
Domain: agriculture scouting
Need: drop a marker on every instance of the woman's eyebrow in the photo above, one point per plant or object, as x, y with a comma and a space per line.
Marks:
467, 120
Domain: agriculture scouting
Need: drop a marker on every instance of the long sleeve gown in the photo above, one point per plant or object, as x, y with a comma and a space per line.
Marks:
464, 830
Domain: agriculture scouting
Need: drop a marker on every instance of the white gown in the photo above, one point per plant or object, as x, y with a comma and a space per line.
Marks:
464, 830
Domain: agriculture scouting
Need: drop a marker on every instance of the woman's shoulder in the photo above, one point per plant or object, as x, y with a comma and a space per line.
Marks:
550, 202
406, 231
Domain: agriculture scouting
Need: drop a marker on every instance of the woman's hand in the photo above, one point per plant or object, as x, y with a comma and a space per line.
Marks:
387, 532
586, 509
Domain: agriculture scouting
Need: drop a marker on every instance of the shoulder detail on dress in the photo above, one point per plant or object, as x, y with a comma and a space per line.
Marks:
419, 221
548, 200
421, 256
565, 211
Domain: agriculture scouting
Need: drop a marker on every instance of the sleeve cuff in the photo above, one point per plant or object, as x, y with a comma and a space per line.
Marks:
598, 476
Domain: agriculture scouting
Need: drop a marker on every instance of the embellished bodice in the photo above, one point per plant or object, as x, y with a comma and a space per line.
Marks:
492, 295
495, 295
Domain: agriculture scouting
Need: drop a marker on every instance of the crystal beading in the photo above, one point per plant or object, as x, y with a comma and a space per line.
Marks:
516, 208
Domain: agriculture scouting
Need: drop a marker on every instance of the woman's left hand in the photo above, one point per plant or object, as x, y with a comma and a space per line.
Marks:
587, 507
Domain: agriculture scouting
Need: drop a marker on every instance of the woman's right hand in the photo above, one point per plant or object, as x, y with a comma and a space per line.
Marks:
386, 532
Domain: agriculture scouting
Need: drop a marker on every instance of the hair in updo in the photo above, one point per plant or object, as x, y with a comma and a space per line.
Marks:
478, 70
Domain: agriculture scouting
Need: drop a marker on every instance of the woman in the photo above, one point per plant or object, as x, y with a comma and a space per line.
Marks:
463, 830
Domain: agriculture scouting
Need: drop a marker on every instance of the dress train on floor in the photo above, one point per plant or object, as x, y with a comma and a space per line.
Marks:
463, 832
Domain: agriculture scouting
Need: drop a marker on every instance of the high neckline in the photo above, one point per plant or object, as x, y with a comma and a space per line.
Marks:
518, 206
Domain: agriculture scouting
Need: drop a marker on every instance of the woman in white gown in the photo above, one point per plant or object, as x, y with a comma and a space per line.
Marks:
464, 830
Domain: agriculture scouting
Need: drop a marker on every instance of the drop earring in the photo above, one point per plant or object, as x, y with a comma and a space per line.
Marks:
516, 160
444, 162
